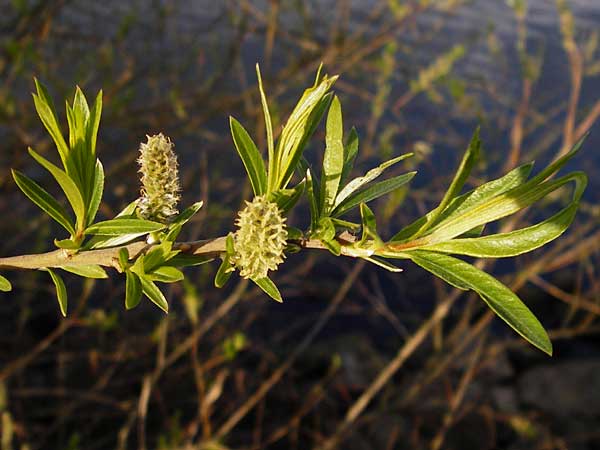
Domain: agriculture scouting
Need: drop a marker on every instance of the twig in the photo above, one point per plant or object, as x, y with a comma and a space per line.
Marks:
110, 257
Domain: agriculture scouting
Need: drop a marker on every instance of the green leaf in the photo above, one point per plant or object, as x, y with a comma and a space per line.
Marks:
514, 178
226, 268
67, 185
497, 296
299, 128
560, 162
333, 159
154, 294
118, 227
369, 225
45, 109
124, 259
87, 271
501, 206
464, 169
67, 244
253, 162
269, 129
224, 272
157, 256
509, 201
133, 290
287, 198
129, 210
186, 260
350, 152
97, 191
61, 291
358, 183
5, 285
80, 162
165, 274
313, 201
325, 231
477, 196
269, 288
186, 214
372, 192
44, 200
473, 233
514, 243
94, 123
340, 223
100, 241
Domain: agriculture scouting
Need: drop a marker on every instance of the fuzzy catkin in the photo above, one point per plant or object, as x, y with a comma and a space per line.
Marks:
160, 179
260, 239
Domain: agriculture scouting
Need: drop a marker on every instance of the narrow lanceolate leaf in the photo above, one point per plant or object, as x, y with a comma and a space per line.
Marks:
87, 271
166, 274
224, 272
287, 198
369, 224
45, 109
298, 129
133, 290
313, 201
510, 244
486, 191
187, 214
93, 124
118, 227
372, 192
186, 260
350, 152
464, 169
44, 200
5, 285
67, 185
503, 205
97, 190
269, 288
498, 297
99, 241
489, 208
333, 159
560, 162
272, 173
253, 162
61, 291
154, 294
359, 182
80, 162
287, 169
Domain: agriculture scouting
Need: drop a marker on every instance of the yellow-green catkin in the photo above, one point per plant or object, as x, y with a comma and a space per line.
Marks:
160, 179
260, 239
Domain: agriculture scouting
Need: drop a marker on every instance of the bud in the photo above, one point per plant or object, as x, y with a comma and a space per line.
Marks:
160, 179
260, 239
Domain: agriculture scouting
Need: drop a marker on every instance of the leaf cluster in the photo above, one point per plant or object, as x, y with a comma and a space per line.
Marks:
454, 227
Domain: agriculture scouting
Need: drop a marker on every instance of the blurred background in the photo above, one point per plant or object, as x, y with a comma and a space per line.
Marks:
231, 369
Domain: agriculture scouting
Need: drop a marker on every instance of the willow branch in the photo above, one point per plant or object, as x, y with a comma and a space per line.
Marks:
109, 257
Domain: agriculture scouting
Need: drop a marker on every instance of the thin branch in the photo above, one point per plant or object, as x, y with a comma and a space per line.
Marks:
109, 257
